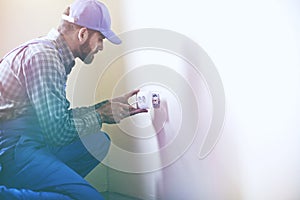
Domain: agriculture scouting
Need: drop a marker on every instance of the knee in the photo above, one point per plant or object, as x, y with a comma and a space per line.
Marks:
107, 136
97, 144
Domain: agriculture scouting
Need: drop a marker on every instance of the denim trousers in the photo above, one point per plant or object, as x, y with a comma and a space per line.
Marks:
31, 169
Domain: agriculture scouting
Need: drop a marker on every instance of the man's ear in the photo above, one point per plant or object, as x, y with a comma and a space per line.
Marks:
83, 35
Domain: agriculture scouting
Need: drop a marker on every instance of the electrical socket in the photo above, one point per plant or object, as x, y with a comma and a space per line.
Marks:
143, 99
147, 99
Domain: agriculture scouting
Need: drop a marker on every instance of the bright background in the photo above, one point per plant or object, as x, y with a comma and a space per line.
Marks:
255, 46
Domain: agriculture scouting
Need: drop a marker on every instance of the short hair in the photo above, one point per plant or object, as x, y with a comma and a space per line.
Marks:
66, 27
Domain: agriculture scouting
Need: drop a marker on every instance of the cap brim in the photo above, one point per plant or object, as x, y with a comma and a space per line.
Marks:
111, 36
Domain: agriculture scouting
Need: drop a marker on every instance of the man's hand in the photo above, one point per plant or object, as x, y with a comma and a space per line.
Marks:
114, 110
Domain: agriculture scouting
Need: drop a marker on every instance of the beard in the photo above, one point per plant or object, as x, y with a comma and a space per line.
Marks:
89, 58
87, 53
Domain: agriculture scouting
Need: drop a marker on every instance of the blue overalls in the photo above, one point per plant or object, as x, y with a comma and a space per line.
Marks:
31, 169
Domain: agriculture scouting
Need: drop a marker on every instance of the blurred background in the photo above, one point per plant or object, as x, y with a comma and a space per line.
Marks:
253, 45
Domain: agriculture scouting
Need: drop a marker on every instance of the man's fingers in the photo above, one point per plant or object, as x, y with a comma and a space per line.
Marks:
137, 111
112, 112
130, 94
124, 98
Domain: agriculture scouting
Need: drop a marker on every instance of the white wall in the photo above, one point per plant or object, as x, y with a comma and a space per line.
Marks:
255, 48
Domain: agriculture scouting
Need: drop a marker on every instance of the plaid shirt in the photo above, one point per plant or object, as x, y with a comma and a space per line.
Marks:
35, 76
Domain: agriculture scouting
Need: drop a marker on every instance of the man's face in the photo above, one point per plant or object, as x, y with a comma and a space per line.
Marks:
91, 47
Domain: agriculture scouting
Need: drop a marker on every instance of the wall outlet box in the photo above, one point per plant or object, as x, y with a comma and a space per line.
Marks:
148, 99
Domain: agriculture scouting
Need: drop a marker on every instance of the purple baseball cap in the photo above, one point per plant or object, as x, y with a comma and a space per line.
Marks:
93, 15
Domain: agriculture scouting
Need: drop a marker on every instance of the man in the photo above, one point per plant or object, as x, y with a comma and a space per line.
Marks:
41, 155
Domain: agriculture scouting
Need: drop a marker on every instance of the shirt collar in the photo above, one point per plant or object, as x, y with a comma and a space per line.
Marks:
65, 52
